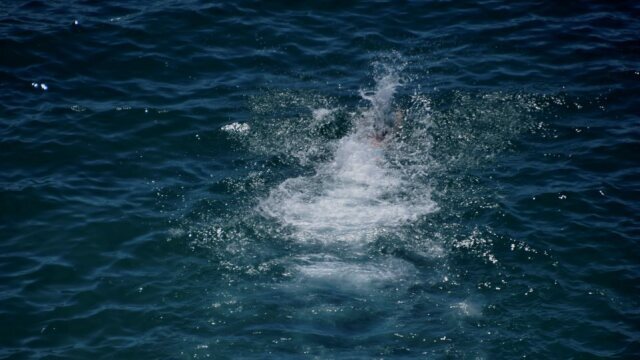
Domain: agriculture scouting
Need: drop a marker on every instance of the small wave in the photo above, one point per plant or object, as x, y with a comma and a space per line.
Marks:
321, 269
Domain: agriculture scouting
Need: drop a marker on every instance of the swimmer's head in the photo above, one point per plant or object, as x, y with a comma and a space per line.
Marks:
382, 126
381, 134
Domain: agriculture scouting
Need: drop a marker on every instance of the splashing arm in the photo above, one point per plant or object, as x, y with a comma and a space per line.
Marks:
399, 120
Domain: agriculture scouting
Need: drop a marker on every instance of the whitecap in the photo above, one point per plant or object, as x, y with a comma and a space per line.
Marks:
236, 127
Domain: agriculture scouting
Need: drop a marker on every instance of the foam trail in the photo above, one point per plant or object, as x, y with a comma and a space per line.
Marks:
322, 271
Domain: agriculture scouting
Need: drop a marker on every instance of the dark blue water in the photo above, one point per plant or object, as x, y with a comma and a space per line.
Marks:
190, 180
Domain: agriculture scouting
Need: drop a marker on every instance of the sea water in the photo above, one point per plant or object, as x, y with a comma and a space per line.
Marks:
194, 180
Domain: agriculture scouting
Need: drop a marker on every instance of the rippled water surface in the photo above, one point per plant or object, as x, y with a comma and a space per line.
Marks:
328, 180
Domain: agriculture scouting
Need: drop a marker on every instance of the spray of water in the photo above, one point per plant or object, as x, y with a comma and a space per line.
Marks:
358, 194
340, 202
330, 186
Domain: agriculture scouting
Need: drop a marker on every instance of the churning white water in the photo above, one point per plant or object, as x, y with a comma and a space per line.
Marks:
358, 194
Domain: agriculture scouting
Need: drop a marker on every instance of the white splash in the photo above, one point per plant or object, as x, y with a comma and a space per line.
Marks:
379, 116
321, 114
359, 194
236, 127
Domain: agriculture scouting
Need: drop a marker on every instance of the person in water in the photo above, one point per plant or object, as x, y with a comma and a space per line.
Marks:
388, 126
